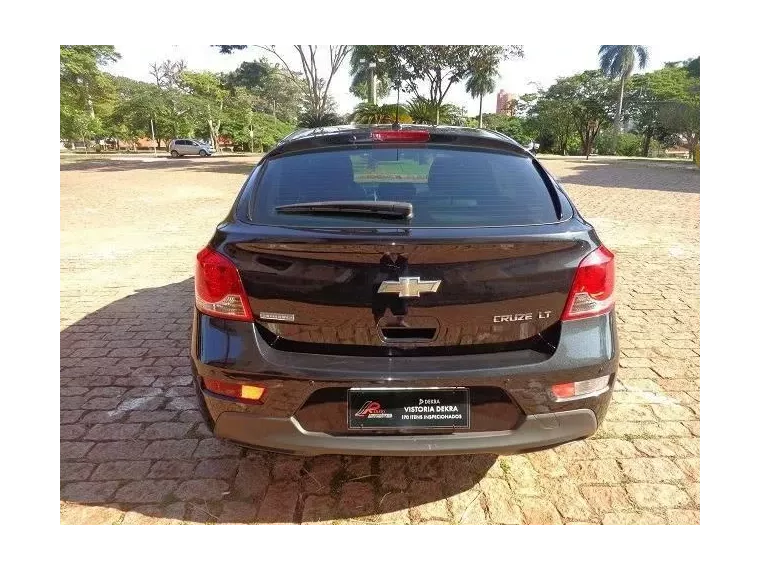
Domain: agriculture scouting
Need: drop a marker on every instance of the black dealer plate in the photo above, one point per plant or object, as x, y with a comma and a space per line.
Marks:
388, 408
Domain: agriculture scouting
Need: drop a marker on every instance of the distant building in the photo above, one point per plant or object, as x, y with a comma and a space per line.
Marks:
506, 103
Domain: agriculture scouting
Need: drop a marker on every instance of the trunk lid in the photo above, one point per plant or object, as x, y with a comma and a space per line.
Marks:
317, 295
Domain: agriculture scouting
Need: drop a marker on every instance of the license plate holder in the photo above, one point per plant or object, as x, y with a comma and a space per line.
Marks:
404, 408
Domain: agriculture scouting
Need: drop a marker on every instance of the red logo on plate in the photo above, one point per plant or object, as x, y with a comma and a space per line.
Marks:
369, 408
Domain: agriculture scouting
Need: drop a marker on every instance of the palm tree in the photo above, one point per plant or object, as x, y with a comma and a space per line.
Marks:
618, 62
423, 112
481, 82
368, 114
361, 56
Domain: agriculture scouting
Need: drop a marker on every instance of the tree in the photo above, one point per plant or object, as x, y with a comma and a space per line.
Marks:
209, 96
253, 130
680, 116
271, 90
425, 112
85, 89
316, 83
586, 100
359, 71
311, 121
551, 122
250, 74
79, 125
82, 81
175, 118
168, 73
138, 103
618, 62
429, 71
368, 114
664, 104
514, 127
482, 78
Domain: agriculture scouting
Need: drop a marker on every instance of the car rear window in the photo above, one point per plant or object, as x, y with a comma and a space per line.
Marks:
447, 187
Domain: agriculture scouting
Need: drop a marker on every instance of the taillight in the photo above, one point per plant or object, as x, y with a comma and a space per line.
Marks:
218, 289
593, 287
401, 136
245, 392
584, 388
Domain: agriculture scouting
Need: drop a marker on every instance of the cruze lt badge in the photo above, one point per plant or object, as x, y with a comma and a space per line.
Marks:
515, 317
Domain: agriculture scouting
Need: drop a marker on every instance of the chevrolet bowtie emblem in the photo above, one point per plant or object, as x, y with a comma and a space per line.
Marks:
409, 287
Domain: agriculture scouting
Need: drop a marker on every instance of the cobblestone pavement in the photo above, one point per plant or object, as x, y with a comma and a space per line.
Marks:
134, 449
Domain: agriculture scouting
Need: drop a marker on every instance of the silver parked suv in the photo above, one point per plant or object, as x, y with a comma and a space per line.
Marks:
183, 147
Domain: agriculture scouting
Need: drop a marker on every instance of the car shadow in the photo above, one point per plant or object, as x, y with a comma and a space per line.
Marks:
243, 165
641, 175
134, 443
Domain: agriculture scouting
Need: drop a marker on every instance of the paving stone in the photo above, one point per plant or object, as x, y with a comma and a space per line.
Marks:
656, 495
502, 504
539, 511
319, 509
89, 491
148, 491
202, 489
606, 499
651, 469
115, 470
124, 360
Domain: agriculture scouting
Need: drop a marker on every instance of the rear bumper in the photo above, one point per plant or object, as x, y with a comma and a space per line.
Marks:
234, 351
285, 435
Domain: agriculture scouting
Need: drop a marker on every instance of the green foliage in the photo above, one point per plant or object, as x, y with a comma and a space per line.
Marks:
271, 89
254, 131
618, 62
423, 112
137, 103
664, 105
314, 82
368, 114
692, 66
661, 106
429, 71
180, 103
484, 69
585, 100
85, 89
207, 97
627, 144
575, 145
80, 126
515, 127
359, 71
311, 120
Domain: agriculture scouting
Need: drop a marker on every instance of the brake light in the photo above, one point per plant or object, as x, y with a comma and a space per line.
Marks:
218, 289
593, 287
400, 136
244, 392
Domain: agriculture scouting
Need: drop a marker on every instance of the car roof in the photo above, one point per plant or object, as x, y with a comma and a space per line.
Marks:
306, 138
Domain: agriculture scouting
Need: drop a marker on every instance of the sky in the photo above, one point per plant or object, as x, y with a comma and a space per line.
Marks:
541, 66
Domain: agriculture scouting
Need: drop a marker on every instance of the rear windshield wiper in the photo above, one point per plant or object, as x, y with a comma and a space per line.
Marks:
351, 207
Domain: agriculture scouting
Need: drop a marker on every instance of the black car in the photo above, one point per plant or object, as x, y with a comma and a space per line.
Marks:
403, 290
